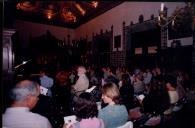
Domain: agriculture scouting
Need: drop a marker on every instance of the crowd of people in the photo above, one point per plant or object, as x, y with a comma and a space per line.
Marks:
146, 97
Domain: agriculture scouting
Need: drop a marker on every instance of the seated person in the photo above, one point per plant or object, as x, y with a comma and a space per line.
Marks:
86, 113
25, 96
113, 114
157, 101
82, 83
171, 85
127, 91
46, 81
112, 76
153, 105
138, 85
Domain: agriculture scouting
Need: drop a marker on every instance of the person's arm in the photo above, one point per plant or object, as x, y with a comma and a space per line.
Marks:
51, 83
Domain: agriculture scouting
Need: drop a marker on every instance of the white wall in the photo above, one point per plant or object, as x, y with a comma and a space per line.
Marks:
184, 41
35, 29
127, 11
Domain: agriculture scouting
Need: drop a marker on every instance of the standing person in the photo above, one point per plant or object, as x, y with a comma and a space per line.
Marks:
113, 114
25, 96
62, 93
46, 81
82, 83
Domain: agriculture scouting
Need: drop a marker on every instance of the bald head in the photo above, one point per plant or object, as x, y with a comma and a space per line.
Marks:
81, 70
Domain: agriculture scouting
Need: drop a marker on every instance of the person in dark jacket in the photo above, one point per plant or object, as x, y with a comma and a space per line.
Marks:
127, 92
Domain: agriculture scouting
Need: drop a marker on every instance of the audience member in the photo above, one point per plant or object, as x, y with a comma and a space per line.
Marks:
157, 101
113, 114
112, 76
127, 91
46, 81
82, 83
138, 85
171, 85
147, 77
62, 93
86, 113
25, 96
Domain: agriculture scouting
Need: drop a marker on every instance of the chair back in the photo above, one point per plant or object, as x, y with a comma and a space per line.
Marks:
128, 124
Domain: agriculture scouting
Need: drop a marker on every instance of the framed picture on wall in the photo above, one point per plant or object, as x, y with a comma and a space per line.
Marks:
117, 41
152, 49
138, 51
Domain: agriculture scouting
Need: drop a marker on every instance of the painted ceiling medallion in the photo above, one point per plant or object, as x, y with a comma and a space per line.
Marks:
50, 11
62, 13
68, 16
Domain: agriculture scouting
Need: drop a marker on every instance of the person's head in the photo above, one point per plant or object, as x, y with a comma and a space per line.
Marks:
126, 79
147, 70
171, 82
111, 71
25, 94
157, 87
85, 106
110, 93
43, 71
62, 77
158, 71
81, 70
104, 69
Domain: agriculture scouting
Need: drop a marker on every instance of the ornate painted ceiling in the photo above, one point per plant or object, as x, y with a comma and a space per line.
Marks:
69, 14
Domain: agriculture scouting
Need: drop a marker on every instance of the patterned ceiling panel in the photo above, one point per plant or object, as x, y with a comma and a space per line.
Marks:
69, 14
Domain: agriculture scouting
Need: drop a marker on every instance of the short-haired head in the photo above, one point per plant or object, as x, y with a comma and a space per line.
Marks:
23, 89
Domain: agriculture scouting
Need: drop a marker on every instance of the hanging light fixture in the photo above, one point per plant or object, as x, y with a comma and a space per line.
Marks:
164, 20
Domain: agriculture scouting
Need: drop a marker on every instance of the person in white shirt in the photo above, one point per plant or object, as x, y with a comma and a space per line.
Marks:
46, 81
82, 83
25, 96
171, 85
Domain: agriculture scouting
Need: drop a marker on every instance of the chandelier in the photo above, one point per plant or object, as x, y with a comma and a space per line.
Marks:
180, 15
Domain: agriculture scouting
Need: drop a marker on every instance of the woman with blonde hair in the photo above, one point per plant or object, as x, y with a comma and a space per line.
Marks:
113, 114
